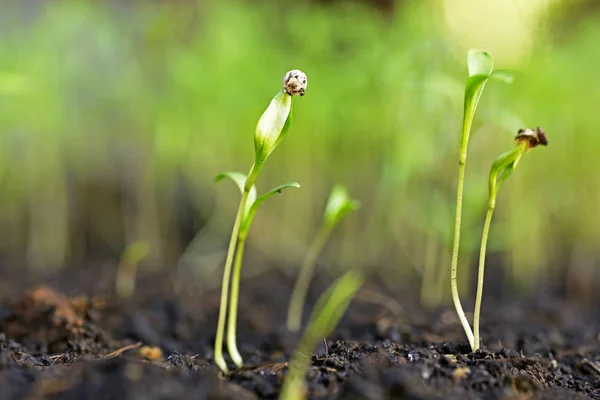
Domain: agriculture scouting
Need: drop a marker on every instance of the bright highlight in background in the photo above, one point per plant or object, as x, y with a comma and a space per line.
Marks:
506, 28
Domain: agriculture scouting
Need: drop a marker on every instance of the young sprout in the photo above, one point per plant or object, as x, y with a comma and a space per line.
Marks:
501, 169
251, 207
127, 269
338, 206
481, 68
327, 313
272, 127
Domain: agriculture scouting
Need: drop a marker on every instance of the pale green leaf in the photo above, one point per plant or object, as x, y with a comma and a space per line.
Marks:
479, 63
250, 216
502, 168
326, 315
332, 305
503, 76
240, 180
136, 252
338, 206
272, 126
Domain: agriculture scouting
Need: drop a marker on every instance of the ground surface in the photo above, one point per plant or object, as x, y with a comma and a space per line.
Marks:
159, 346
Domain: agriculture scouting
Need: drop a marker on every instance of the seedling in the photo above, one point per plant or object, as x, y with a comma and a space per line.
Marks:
481, 68
127, 269
326, 315
272, 127
501, 169
338, 206
251, 208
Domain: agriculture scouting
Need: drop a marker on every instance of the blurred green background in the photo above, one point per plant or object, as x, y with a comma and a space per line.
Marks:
116, 116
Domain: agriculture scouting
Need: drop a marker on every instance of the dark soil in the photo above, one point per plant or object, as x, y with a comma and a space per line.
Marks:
159, 346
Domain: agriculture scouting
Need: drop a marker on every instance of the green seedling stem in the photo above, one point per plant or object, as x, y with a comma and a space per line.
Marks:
326, 315
236, 357
480, 66
338, 206
272, 127
302, 284
501, 169
219, 359
237, 271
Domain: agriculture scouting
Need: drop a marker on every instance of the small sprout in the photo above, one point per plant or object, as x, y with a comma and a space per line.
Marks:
480, 67
338, 206
127, 269
272, 127
501, 169
325, 316
274, 123
250, 211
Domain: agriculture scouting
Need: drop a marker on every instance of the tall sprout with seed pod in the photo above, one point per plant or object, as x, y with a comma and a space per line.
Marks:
327, 313
481, 68
271, 129
338, 206
501, 169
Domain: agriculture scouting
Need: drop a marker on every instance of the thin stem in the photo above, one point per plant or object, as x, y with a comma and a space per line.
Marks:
219, 360
453, 272
482, 251
233, 302
298, 298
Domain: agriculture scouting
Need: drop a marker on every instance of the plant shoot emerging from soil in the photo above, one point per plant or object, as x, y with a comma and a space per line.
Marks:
480, 67
127, 269
251, 208
272, 127
338, 206
501, 169
326, 314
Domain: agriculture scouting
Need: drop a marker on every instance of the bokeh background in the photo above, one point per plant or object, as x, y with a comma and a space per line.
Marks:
116, 116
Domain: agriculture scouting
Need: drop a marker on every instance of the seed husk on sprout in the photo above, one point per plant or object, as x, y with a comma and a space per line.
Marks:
294, 82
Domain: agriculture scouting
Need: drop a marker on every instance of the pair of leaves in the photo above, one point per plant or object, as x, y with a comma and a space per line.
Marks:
254, 201
338, 206
272, 126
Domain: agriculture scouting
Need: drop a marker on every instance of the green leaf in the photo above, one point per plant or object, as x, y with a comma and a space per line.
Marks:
254, 207
332, 305
481, 66
502, 168
503, 76
479, 63
338, 206
272, 126
326, 315
240, 180
136, 252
